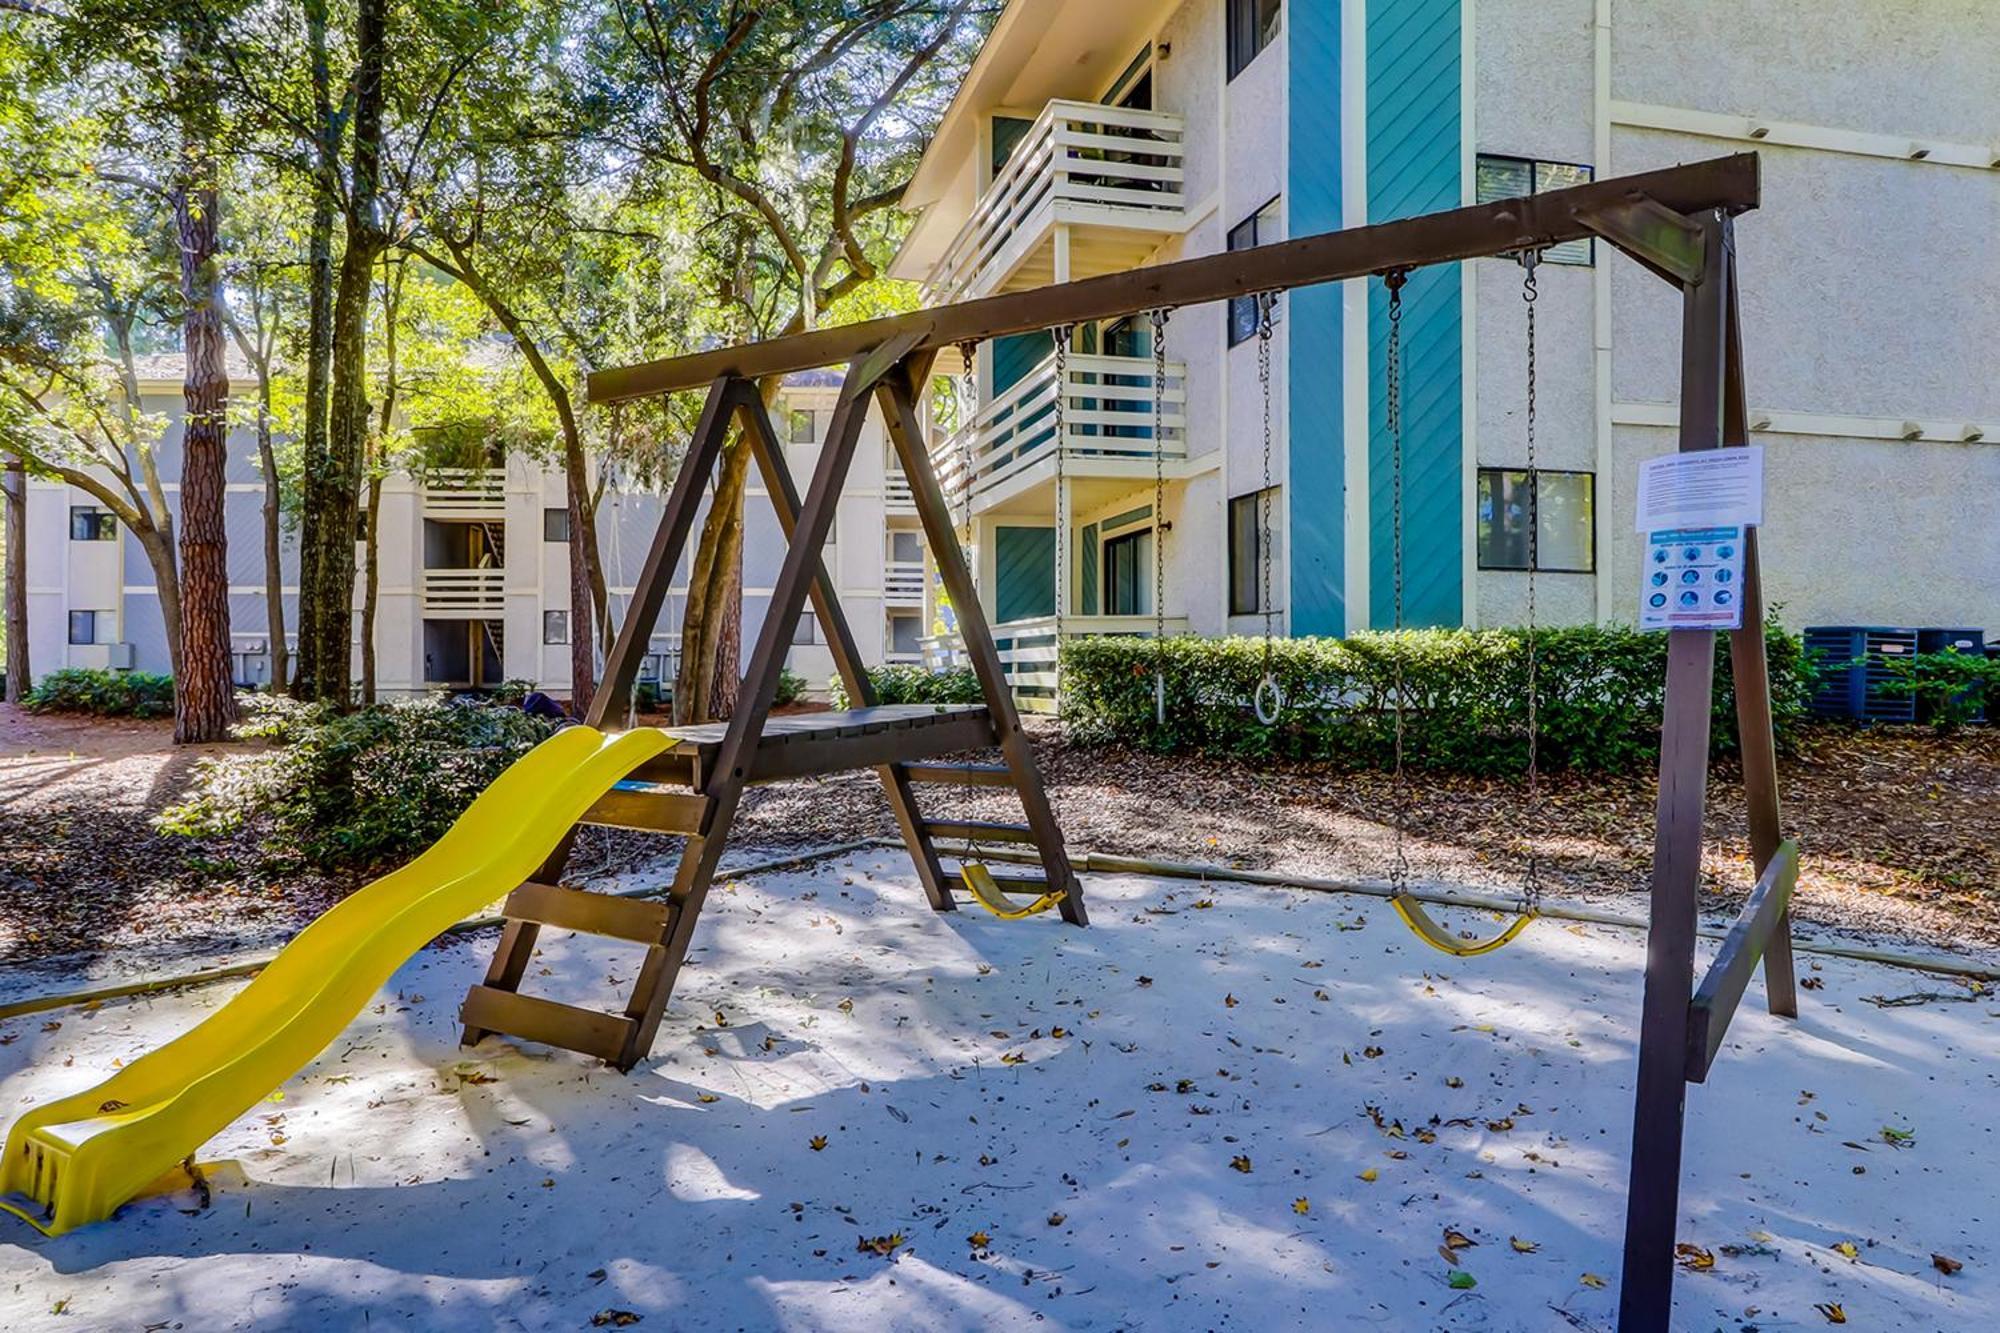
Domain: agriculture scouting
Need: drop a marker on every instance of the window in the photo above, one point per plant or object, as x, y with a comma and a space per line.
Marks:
555, 525
1517, 177
92, 525
1564, 503
1253, 25
807, 630
904, 633
1249, 516
1260, 228
555, 627
1127, 562
905, 547
83, 625
800, 425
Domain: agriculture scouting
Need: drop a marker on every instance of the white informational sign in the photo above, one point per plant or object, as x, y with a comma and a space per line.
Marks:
1709, 488
1692, 578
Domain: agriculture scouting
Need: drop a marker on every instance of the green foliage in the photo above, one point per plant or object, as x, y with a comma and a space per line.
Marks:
355, 788
1600, 691
905, 683
791, 686
1950, 687
103, 693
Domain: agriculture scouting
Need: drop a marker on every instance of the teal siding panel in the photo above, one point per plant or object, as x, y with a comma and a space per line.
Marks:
1015, 356
1414, 129
1316, 520
1025, 570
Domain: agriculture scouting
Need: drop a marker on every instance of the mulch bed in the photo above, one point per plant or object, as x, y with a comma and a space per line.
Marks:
1901, 832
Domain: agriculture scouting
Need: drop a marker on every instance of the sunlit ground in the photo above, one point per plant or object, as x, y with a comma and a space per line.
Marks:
1229, 1108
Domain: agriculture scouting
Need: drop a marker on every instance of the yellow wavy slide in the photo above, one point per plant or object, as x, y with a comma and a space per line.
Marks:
78, 1159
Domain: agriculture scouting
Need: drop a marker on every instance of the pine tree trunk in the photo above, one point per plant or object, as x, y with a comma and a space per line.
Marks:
274, 547
204, 689
710, 603
19, 677
313, 534
582, 642
372, 581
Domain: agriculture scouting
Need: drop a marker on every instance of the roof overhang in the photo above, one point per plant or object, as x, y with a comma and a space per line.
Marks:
1039, 50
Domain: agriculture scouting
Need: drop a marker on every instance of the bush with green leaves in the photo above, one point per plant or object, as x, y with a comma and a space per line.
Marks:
907, 683
791, 686
1600, 693
360, 788
102, 693
1951, 688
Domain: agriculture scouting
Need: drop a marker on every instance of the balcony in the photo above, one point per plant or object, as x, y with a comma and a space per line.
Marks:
1006, 456
1110, 177
464, 594
465, 493
1027, 649
903, 583
897, 497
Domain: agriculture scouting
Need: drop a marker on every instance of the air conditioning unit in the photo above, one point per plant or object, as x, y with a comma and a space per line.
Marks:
118, 656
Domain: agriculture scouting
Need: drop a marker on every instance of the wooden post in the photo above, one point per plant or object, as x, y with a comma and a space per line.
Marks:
517, 938
1645, 1297
898, 394
1749, 668
621, 669
847, 658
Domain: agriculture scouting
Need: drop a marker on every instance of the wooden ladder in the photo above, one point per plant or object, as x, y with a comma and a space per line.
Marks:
706, 773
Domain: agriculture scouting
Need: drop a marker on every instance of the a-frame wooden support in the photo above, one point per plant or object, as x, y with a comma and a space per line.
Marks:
1681, 1027
719, 760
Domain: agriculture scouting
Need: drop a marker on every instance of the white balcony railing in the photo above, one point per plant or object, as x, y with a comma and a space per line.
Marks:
464, 594
465, 493
897, 497
1079, 163
1107, 426
1029, 649
903, 582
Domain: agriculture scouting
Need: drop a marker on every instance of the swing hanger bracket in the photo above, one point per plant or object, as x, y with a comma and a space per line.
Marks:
1671, 244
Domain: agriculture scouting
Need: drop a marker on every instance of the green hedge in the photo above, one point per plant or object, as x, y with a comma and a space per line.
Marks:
905, 683
355, 788
1600, 689
103, 693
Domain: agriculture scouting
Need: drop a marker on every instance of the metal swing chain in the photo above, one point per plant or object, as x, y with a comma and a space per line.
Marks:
1531, 887
1062, 334
1399, 870
1159, 322
1269, 701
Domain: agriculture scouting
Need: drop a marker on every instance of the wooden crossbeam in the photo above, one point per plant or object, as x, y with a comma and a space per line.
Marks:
1729, 184
1722, 987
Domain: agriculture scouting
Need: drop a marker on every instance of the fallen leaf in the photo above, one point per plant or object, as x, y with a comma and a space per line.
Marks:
1847, 1249
1522, 1246
1302, 1207
1454, 1081
882, 1245
615, 1319
707, 1097
846, 1006
1693, 1257
1945, 1264
979, 1240
1240, 1163
1057, 1219
1593, 1281
1230, 1001
1371, 1175
817, 1142
1013, 1058
1458, 1240
1460, 1280
1834, 1313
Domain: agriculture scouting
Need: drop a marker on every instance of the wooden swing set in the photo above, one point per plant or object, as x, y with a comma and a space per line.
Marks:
1677, 223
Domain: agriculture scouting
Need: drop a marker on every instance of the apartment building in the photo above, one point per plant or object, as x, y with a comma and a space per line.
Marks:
1090, 138
474, 581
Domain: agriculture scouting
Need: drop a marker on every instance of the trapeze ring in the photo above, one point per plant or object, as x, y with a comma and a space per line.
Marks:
1269, 700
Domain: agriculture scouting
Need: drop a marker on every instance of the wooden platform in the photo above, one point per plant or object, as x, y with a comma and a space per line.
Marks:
797, 745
